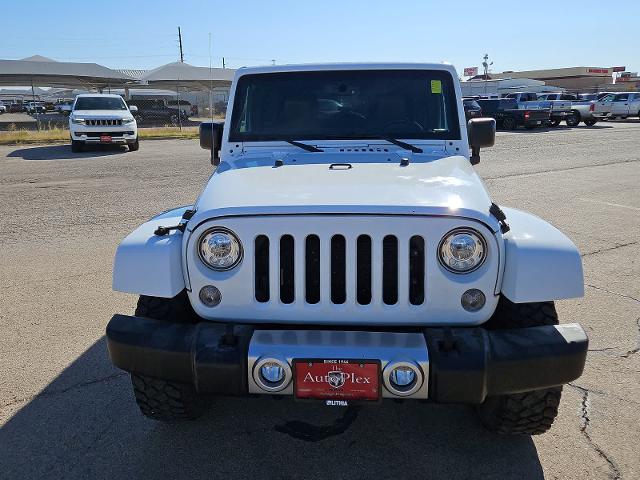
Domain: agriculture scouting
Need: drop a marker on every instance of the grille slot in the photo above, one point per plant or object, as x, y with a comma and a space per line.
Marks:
312, 269
416, 270
390, 270
262, 268
363, 269
287, 284
338, 269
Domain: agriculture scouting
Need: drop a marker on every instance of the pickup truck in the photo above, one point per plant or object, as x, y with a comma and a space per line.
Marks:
344, 251
509, 116
559, 110
618, 105
581, 108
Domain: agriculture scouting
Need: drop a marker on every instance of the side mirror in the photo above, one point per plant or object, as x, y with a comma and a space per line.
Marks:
211, 139
133, 109
482, 133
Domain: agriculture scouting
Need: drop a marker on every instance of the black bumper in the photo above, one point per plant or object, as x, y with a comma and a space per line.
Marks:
465, 364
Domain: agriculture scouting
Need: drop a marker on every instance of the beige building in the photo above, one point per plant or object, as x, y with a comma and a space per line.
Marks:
583, 79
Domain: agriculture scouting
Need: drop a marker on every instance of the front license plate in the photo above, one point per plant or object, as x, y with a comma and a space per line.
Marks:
337, 379
105, 138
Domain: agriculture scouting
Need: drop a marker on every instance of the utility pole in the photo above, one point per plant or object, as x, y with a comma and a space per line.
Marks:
223, 65
180, 41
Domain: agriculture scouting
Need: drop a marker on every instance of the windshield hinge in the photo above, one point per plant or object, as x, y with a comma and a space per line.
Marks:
499, 215
186, 216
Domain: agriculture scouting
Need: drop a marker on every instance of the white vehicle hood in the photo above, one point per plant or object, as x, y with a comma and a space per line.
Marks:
101, 113
446, 186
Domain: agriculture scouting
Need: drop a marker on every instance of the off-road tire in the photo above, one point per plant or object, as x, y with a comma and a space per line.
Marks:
591, 122
161, 399
77, 146
135, 146
527, 413
167, 401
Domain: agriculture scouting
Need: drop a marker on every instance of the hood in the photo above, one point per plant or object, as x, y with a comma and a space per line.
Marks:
447, 186
101, 113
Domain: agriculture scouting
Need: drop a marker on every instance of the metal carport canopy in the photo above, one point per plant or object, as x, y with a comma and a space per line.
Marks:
48, 73
179, 74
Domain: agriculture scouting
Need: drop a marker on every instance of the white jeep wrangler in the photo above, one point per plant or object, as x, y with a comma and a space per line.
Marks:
344, 250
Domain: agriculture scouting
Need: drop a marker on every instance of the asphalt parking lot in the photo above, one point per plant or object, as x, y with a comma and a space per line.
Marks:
67, 413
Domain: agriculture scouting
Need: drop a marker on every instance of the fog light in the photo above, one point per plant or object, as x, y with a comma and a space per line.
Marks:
210, 296
272, 372
402, 376
472, 300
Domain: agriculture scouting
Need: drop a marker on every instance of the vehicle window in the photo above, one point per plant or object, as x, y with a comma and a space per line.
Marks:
607, 98
100, 103
418, 104
621, 97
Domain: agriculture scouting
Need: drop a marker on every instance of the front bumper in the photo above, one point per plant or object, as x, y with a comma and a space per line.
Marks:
118, 135
460, 365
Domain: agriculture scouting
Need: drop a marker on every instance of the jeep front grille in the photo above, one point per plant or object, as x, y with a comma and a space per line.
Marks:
337, 259
95, 122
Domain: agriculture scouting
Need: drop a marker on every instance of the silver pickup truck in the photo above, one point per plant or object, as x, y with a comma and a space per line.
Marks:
582, 107
559, 109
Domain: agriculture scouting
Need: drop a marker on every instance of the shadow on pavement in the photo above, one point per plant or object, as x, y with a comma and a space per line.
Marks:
63, 152
85, 424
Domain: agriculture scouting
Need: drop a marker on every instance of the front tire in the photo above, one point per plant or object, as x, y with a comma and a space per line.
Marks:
591, 122
77, 146
161, 399
573, 120
526, 413
135, 146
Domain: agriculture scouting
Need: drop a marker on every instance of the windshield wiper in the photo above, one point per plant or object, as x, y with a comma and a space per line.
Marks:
304, 146
406, 146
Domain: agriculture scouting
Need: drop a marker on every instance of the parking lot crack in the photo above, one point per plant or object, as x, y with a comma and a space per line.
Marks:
49, 393
608, 249
637, 348
584, 429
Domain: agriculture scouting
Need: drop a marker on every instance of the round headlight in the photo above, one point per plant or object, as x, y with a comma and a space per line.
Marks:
220, 249
462, 250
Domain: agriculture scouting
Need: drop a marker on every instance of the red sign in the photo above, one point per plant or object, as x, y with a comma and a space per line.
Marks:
105, 138
618, 69
598, 70
470, 71
337, 379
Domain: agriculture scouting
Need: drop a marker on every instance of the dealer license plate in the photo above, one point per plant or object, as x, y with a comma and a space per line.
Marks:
105, 138
337, 379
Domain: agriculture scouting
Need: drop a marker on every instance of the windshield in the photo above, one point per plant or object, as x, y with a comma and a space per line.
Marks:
100, 103
343, 105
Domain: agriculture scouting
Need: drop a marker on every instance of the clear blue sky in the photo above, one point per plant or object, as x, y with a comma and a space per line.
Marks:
143, 34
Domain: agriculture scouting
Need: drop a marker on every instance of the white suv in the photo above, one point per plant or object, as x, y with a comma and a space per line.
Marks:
102, 118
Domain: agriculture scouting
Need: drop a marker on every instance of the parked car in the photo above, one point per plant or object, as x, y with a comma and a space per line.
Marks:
157, 112
559, 110
64, 107
102, 118
618, 105
581, 108
35, 107
16, 108
471, 108
509, 115
330, 261
3, 108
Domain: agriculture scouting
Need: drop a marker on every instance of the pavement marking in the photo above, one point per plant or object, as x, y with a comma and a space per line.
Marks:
609, 203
